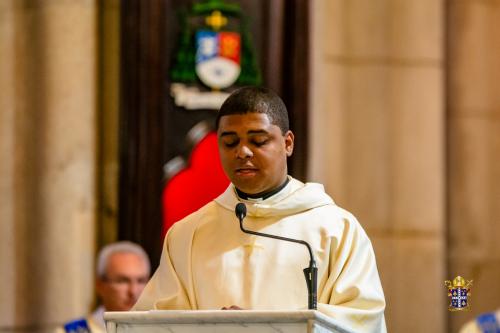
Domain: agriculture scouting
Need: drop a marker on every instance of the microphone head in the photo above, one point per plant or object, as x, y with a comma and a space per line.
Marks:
241, 211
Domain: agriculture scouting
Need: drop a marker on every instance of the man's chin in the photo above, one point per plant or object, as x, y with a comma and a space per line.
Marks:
247, 187
125, 307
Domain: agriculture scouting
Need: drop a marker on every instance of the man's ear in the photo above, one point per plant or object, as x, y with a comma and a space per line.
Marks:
289, 141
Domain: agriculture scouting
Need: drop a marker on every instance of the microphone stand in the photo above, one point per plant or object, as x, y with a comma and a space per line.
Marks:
310, 273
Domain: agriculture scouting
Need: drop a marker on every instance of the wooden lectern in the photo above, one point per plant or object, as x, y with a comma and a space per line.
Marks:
221, 321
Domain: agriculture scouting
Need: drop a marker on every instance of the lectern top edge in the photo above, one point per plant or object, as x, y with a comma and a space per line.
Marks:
220, 316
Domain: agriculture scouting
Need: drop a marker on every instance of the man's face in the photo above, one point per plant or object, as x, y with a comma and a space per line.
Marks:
126, 276
253, 152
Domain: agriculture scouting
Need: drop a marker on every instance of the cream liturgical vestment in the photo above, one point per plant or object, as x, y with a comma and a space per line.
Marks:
209, 263
486, 322
93, 323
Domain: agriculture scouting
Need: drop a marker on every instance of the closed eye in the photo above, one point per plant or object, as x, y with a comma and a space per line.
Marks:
259, 143
231, 144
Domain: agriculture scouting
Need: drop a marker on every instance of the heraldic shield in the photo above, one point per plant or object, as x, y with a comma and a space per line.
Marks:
217, 58
458, 291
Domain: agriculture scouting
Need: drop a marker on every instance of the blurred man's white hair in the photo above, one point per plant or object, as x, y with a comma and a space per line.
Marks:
119, 247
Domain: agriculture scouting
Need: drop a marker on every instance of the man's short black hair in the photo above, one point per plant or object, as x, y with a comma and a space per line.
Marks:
256, 100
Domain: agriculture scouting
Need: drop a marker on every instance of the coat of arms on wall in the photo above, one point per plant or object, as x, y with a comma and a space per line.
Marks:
215, 55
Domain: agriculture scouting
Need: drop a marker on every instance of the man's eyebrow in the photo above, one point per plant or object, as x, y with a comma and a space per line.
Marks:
227, 133
250, 132
257, 132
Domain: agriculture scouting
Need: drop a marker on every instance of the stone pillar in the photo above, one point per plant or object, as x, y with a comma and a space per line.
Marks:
377, 141
7, 148
474, 151
48, 154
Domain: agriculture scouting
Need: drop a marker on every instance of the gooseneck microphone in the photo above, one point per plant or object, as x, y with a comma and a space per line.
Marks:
310, 273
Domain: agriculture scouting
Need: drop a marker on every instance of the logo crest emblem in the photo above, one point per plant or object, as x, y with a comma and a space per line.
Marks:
215, 55
458, 292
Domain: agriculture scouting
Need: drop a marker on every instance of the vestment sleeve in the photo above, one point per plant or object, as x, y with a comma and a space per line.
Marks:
352, 293
470, 327
165, 290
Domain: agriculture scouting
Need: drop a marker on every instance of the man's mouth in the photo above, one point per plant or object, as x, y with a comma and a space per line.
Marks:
246, 171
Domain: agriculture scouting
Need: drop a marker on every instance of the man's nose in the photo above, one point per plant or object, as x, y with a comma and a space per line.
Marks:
243, 151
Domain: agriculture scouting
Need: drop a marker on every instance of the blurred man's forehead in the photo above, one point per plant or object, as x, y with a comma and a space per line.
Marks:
124, 261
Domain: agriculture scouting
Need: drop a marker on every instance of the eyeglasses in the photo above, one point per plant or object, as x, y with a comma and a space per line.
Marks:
123, 281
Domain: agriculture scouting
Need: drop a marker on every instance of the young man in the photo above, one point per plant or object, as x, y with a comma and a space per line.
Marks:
122, 271
209, 263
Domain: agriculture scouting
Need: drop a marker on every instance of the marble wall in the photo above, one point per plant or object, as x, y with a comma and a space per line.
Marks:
473, 120
405, 131
48, 152
378, 141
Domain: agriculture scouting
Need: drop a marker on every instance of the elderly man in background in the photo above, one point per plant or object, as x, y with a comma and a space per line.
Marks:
122, 271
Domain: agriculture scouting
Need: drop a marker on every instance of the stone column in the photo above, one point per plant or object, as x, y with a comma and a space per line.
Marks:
7, 148
377, 141
48, 141
474, 151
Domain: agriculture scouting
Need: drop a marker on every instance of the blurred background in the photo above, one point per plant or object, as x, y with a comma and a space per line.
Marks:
394, 102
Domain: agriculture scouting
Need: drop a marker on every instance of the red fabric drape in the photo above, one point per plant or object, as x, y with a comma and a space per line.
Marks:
190, 189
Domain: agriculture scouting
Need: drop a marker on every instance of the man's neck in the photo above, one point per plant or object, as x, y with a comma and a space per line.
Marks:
263, 195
